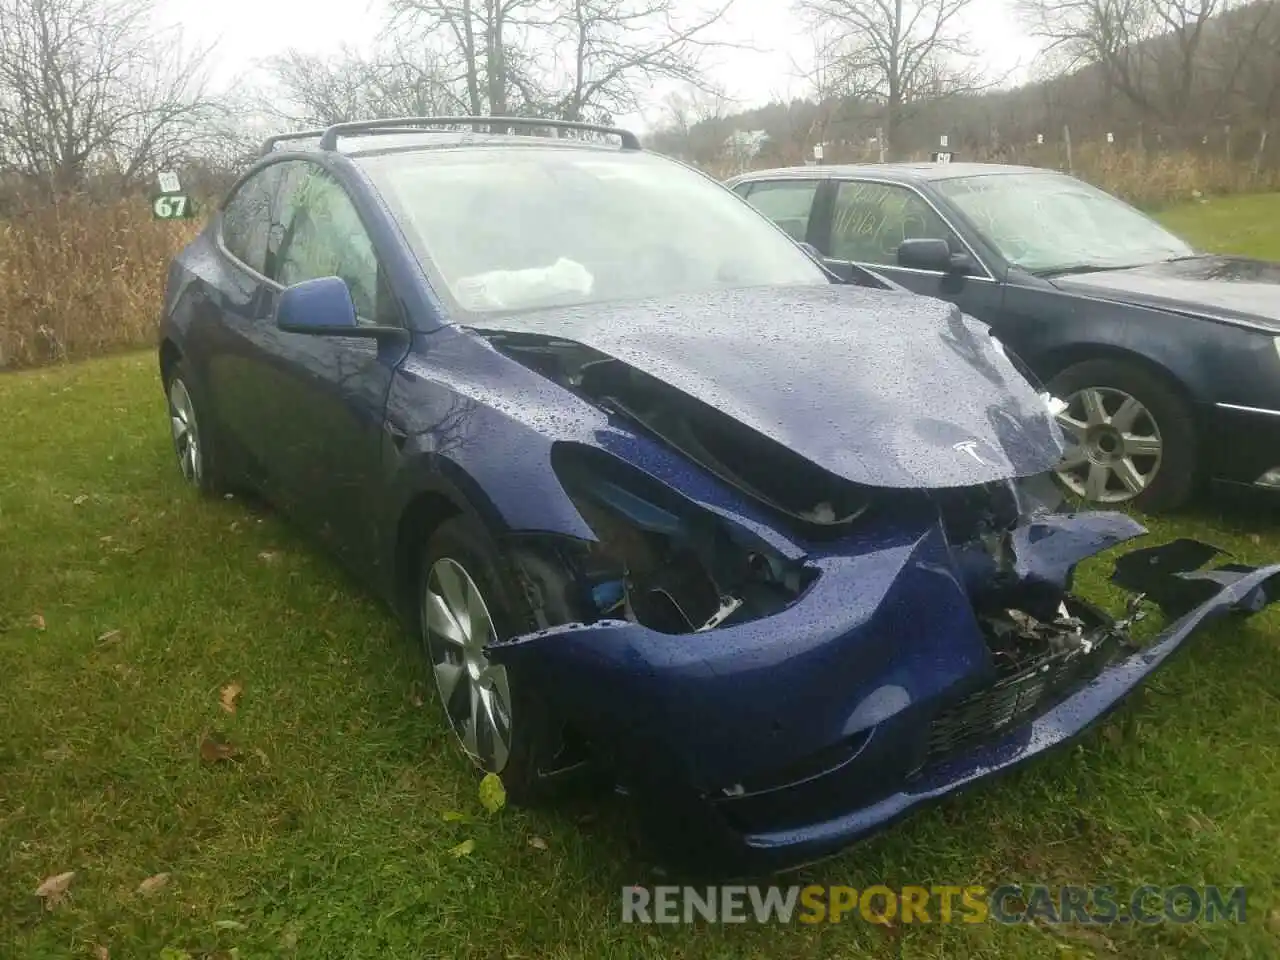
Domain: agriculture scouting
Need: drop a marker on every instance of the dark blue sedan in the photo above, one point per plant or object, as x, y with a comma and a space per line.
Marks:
1168, 359
665, 501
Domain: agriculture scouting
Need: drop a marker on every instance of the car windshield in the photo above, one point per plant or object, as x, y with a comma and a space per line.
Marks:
1050, 223
510, 229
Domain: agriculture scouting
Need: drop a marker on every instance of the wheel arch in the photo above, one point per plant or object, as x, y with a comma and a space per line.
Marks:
1058, 360
170, 356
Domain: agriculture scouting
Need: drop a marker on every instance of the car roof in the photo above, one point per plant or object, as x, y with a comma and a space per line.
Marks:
413, 134
905, 172
364, 146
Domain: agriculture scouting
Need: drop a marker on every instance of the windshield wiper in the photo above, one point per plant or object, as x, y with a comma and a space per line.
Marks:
1084, 268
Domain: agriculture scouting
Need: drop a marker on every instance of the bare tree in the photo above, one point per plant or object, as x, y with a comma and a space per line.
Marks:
612, 49
1149, 51
398, 80
94, 84
896, 52
487, 40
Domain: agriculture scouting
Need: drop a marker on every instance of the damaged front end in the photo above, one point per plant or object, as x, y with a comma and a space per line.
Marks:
769, 704
783, 642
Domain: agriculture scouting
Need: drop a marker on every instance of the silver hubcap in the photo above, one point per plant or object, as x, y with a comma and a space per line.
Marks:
457, 627
186, 436
1113, 445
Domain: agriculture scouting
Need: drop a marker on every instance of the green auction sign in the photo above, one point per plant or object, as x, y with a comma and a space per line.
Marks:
172, 206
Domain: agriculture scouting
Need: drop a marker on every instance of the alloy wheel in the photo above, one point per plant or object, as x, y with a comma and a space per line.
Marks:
1114, 448
186, 433
457, 626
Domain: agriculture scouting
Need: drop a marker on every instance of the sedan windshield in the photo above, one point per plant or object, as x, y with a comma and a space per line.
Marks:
509, 229
1049, 223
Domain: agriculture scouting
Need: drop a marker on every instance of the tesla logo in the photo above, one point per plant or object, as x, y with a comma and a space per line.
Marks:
971, 448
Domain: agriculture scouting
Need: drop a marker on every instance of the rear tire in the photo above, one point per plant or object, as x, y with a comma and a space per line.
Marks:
1141, 434
503, 725
192, 432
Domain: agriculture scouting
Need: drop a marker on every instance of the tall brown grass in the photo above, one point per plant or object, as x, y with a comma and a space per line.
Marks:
1149, 179
79, 277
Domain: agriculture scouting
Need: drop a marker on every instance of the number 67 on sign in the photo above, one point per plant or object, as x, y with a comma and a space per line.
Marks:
172, 206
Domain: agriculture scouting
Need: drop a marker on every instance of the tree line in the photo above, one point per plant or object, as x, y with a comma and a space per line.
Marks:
96, 91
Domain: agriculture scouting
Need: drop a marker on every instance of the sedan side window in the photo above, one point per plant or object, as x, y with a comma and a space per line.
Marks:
788, 203
247, 218
325, 238
870, 220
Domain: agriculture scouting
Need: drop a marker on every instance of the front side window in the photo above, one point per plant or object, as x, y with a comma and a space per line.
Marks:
788, 203
533, 227
870, 221
247, 218
324, 237
1049, 222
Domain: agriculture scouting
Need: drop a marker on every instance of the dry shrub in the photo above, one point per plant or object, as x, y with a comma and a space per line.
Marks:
1154, 179
78, 278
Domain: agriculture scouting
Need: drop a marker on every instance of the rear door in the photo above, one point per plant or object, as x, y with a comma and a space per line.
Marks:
789, 203
867, 221
248, 232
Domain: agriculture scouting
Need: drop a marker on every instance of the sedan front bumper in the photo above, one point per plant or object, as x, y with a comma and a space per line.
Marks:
774, 743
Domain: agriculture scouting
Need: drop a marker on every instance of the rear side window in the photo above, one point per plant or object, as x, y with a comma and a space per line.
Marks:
246, 218
788, 203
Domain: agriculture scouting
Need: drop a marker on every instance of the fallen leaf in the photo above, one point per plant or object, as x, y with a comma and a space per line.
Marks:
267, 556
37, 621
415, 696
235, 526
228, 496
152, 884
80, 499
493, 795
230, 694
109, 636
101, 953
453, 816
1257, 540
537, 843
463, 849
213, 748
261, 755
107, 539
53, 888
229, 925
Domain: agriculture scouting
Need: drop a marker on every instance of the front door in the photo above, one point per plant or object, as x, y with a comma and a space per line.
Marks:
324, 422
867, 222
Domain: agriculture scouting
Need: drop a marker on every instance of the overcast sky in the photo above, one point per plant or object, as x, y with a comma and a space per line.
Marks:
247, 31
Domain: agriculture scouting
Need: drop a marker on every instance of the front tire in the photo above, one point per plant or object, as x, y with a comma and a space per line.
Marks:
468, 597
1131, 437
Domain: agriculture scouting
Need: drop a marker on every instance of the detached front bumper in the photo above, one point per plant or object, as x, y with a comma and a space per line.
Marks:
763, 746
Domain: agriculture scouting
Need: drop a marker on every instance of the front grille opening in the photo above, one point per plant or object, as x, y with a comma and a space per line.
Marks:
1037, 665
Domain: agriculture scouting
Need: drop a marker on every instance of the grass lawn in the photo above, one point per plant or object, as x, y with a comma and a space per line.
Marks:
128, 605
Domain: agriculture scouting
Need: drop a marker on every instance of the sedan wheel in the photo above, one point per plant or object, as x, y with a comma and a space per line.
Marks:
186, 433
457, 627
1114, 448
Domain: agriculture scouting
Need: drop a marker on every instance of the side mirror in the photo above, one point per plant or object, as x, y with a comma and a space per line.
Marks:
323, 307
932, 254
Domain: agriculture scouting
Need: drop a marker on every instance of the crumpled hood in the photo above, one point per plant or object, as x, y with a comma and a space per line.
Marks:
1228, 288
882, 388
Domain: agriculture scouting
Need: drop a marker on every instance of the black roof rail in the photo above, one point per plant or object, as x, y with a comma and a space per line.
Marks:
269, 144
329, 140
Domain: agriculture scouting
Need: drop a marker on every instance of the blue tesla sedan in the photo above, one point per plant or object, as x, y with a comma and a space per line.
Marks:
665, 501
